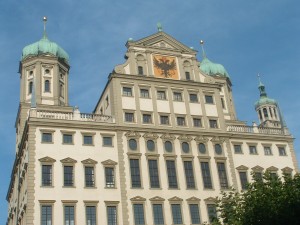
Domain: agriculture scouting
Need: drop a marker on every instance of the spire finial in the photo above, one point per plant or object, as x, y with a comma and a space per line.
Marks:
261, 87
159, 27
45, 21
203, 52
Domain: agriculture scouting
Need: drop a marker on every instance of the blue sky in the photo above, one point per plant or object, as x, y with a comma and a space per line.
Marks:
247, 37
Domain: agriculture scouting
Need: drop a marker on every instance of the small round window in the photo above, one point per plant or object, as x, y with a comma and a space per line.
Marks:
47, 71
185, 147
150, 145
202, 148
218, 149
168, 146
132, 144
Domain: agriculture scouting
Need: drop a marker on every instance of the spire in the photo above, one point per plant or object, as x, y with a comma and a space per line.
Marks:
159, 27
261, 87
33, 97
203, 52
45, 21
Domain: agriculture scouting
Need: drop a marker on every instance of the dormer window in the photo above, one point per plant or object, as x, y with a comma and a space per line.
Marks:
140, 70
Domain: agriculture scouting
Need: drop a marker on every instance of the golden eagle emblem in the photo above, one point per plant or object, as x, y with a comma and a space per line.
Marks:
165, 65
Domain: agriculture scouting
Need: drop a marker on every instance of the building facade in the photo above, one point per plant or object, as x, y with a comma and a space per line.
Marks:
162, 142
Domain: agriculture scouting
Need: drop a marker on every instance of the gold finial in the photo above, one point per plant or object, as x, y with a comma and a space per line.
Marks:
201, 42
45, 21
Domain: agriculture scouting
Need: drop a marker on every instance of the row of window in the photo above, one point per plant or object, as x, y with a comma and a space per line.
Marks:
47, 88
253, 150
164, 119
138, 214
68, 138
161, 95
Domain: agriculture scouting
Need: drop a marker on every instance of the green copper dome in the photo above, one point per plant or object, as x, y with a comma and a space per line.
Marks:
44, 46
264, 99
213, 69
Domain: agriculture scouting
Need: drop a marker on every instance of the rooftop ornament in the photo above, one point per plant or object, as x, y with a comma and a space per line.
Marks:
159, 27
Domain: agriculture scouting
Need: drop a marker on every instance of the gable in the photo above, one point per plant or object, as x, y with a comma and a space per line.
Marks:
162, 40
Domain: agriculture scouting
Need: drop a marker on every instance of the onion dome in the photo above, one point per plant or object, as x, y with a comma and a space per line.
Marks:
264, 99
44, 46
210, 68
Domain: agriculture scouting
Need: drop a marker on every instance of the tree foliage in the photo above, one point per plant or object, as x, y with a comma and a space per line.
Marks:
268, 201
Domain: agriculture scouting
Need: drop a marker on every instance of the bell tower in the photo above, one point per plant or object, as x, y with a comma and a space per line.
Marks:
44, 66
267, 109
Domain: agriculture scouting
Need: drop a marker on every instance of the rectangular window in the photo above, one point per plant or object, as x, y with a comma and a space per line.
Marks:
107, 141
109, 177
138, 210
187, 76
145, 93
47, 137
69, 216
223, 103
176, 214
222, 175
267, 150
140, 70
68, 176
193, 98
135, 173
90, 215
164, 120
67, 138
161, 95
189, 174
195, 215
89, 176
177, 96
87, 139
46, 215
252, 150
206, 175
127, 91
209, 99
258, 176
111, 215
46, 175
212, 213
180, 121
147, 118
129, 117
158, 215
213, 123
244, 180
197, 122
172, 176
281, 151
237, 149
153, 173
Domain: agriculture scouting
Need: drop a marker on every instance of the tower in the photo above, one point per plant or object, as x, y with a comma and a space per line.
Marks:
267, 109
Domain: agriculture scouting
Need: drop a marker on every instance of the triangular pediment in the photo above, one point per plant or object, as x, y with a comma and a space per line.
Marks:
89, 161
68, 160
175, 199
272, 168
138, 199
47, 159
193, 199
287, 170
210, 199
162, 40
257, 168
242, 167
109, 162
157, 198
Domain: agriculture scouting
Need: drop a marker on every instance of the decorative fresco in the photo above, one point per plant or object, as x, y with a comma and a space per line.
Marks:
165, 67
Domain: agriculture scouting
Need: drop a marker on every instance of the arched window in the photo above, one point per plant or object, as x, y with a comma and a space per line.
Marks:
275, 114
265, 113
47, 86
271, 114
30, 86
